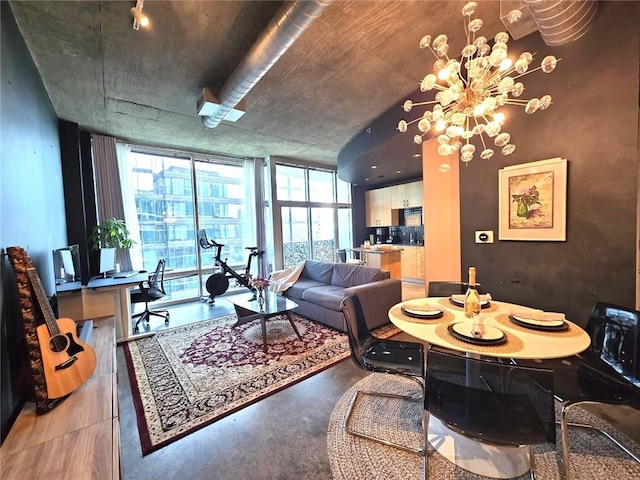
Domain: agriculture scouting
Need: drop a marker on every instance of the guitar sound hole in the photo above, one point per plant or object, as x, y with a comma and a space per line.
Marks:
58, 343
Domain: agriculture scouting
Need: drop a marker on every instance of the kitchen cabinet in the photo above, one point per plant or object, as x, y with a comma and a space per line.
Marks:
382, 204
406, 195
413, 262
378, 208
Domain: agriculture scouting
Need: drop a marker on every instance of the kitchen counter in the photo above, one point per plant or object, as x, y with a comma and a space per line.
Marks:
386, 258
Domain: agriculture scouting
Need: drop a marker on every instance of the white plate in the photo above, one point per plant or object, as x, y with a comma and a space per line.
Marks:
423, 313
490, 333
422, 308
460, 300
539, 323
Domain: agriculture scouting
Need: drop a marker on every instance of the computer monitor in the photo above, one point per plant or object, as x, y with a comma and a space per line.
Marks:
66, 263
107, 261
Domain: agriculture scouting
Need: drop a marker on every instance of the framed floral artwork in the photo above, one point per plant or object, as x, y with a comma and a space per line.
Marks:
533, 201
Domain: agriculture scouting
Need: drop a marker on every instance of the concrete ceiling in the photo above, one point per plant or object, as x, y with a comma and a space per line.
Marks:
356, 61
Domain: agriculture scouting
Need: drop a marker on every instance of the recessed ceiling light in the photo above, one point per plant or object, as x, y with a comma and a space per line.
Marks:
398, 171
416, 155
373, 167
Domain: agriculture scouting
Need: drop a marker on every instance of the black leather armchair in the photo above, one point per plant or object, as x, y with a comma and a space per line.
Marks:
381, 355
606, 373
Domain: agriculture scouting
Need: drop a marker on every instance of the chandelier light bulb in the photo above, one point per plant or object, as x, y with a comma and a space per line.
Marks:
470, 89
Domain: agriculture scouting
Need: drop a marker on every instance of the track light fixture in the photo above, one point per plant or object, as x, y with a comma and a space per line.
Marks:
138, 17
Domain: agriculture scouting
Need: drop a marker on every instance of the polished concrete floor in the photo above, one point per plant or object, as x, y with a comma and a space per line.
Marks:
281, 437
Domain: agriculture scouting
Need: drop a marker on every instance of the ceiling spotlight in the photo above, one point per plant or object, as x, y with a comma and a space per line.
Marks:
138, 17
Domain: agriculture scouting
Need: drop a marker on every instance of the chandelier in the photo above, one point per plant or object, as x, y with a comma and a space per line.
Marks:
470, 92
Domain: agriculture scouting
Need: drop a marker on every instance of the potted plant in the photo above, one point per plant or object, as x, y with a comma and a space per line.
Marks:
110, 233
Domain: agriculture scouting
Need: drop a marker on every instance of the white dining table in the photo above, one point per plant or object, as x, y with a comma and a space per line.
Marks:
521, 343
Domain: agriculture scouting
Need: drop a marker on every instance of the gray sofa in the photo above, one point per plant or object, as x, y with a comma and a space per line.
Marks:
322, 286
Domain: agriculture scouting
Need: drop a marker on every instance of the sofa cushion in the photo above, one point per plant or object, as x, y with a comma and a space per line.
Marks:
296, 290
329, 296
318, 271
345, 275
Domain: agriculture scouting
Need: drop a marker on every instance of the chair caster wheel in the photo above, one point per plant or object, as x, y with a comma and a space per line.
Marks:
136, 330
166, 322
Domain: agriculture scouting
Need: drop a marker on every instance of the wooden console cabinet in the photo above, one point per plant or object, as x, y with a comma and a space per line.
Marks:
80, 437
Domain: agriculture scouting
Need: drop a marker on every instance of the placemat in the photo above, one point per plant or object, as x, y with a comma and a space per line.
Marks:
572, 331
513, 344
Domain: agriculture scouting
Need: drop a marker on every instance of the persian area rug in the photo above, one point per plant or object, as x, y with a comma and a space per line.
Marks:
187, 377
352, 458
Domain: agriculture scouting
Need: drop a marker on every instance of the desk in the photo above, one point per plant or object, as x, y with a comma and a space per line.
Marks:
503, 462
102, 297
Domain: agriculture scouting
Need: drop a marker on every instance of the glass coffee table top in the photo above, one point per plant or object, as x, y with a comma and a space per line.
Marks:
273, 303
249, 308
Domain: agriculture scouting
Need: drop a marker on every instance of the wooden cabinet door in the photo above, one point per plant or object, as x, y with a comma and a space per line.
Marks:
409, 262
406, 195
370, 207
413, 193
420, 270
378, 209
398, 198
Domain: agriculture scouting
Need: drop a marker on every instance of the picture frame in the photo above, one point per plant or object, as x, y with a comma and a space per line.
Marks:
533, 201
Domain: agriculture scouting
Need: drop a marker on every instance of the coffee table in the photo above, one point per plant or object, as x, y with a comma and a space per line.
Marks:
248, 309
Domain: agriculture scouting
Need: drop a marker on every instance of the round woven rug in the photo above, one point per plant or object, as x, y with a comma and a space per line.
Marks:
353, 458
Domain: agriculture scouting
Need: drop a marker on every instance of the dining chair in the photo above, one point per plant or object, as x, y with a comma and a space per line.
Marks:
606, 373
374, 354
499, 404
149, 291
438, 288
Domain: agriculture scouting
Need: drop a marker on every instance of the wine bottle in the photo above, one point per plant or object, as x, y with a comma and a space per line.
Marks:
471, 298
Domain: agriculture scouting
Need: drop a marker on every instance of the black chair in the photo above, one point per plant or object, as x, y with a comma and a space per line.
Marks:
606, 373
343, 257
380, 355
490, 402
447, 288
150, 291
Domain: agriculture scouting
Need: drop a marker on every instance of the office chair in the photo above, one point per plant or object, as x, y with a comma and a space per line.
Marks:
150, 291
385, 356
500, 404
606, 373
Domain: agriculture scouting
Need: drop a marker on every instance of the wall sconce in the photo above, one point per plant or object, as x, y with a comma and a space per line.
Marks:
138, 17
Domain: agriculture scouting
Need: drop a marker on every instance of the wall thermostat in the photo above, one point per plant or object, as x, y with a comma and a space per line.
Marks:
484, 236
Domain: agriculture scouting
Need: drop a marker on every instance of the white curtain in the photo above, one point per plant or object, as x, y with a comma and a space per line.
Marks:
108, 187
129, 203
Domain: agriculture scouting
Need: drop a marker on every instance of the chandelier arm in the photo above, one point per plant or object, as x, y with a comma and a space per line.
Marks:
539, 67
519, 101
425, 103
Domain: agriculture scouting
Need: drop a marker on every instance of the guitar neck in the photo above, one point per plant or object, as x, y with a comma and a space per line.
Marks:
43, 301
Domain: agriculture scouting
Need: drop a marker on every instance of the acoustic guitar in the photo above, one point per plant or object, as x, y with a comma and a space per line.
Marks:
68, 361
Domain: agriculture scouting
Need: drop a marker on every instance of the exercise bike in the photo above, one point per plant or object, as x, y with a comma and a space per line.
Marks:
218, 282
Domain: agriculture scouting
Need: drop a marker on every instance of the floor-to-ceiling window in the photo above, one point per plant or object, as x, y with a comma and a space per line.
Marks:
172, 196
315, 206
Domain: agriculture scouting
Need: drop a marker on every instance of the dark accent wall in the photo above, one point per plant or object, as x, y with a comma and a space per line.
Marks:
593, 123
31, 199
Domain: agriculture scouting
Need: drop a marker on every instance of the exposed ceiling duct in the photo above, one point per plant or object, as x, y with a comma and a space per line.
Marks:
283, 30
558, 21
